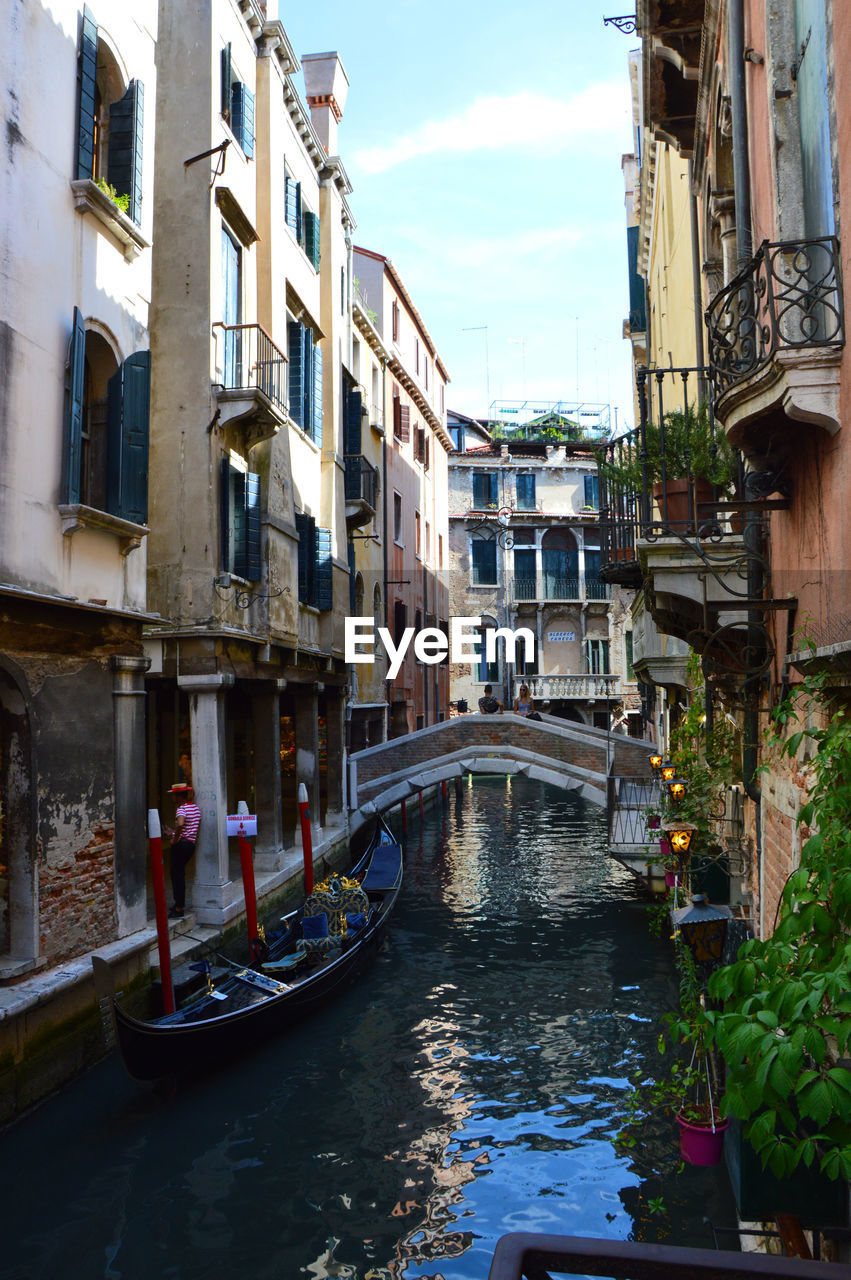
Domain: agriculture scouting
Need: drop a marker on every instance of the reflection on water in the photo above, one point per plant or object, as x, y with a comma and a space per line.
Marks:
471, 1085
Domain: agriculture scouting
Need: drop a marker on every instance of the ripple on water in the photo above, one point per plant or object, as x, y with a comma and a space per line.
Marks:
472, 1085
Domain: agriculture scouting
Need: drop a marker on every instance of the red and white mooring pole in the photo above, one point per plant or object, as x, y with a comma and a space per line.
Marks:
155, 838
306, 838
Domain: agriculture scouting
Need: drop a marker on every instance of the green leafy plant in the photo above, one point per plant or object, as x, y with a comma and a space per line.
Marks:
785, 1025
121, 201
686, 442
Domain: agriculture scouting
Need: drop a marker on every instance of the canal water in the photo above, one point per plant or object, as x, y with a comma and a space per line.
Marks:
470, 1085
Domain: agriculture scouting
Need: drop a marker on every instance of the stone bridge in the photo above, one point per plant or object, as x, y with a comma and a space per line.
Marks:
568, 755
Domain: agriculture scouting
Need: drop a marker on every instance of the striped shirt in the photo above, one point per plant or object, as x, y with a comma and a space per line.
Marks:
191, 821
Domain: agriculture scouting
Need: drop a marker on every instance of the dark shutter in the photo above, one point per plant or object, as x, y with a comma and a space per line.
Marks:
227, 82
419, 444
484, 562
125, 147
299, 221
306, 527
242, 116
129, 395
74, 414
427, 452
87, 68
404, 422
224, 512
316, 405
354, 413
311, 237
290, 202
252, 527
324, 570
295, 371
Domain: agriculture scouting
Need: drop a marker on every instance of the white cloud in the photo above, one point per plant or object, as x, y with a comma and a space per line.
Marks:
514, 120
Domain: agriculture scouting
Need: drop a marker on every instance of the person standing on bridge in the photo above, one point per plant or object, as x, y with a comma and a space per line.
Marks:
488, 704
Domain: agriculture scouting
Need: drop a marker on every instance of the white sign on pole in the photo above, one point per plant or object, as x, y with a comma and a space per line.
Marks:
242, 824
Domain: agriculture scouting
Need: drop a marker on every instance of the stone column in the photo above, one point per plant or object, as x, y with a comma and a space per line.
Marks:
209, 885
130, 839
306, 698
336, 748
266, 714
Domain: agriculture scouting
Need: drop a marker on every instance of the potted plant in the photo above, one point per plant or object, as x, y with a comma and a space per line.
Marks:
653, 818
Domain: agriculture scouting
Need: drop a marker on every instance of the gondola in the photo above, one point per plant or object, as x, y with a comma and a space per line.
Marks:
319, 950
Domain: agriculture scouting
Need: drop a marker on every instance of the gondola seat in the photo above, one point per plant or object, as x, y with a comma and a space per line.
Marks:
316, 935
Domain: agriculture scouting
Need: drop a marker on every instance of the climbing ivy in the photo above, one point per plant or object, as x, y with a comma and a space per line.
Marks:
784, 1028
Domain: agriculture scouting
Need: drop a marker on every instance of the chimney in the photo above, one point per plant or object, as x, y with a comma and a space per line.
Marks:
326, 85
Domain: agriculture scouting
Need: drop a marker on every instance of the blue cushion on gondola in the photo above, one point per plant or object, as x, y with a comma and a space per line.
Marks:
383, 870
315, 926
355, 920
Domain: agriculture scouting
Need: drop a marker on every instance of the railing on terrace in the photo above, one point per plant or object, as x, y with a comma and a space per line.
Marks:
361, 480
533, 1256
549, 587
628, 798
789, 297
250, 359
581, 686
653, 479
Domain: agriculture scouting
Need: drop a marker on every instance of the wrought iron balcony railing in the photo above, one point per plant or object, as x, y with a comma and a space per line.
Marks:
250, 359
789, 297
547, 586
673, 474
361, 480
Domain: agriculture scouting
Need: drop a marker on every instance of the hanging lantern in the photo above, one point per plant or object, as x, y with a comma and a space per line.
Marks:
703, 926
676, 789
655, 762
668, 771
679, 835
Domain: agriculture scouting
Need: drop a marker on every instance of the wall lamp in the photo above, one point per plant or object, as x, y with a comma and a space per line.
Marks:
679, 835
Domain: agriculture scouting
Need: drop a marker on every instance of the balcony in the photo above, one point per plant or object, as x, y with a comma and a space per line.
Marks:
549, 587
252, 376
361, 490
672, 513
582, 688
776, 334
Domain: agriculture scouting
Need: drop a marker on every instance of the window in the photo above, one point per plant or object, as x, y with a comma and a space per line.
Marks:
304, 373
488, 672
592, 492
598, 657
292, 205
418, 540
526, 493
106, 427
417, 356
627, 645
315, 565
401, 418
440, 551
109, 136
352, 419
400, 620
240, 509
428, 542
484, 490
422, 447
425, 375
237, 105
483, 558
397, 518
394, 315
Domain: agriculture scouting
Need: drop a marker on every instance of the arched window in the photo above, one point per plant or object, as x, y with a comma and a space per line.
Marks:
488, 672
359, 595
109, 142
560, 565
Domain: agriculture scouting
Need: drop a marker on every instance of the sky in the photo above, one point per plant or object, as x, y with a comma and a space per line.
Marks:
484, 144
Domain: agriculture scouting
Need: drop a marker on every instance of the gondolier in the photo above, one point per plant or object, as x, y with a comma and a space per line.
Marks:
184, 835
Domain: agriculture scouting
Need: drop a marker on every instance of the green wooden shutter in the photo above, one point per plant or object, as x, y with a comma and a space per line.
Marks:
352, 443
316, 405
87, 89
129, 396
251, 567
224, 513
299, 218
242, 116
291, 192
74, 416
295, 371
324, 570
227, 82
125, 147
306, 527
311, 237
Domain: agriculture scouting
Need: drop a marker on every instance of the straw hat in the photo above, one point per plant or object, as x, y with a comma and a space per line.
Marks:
180, 788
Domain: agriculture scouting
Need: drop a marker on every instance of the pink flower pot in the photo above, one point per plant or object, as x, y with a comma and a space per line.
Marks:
653, 824
672, 879
699, 1144
664, 848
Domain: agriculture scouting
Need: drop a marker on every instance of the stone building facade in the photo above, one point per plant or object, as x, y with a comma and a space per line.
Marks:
525, 553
